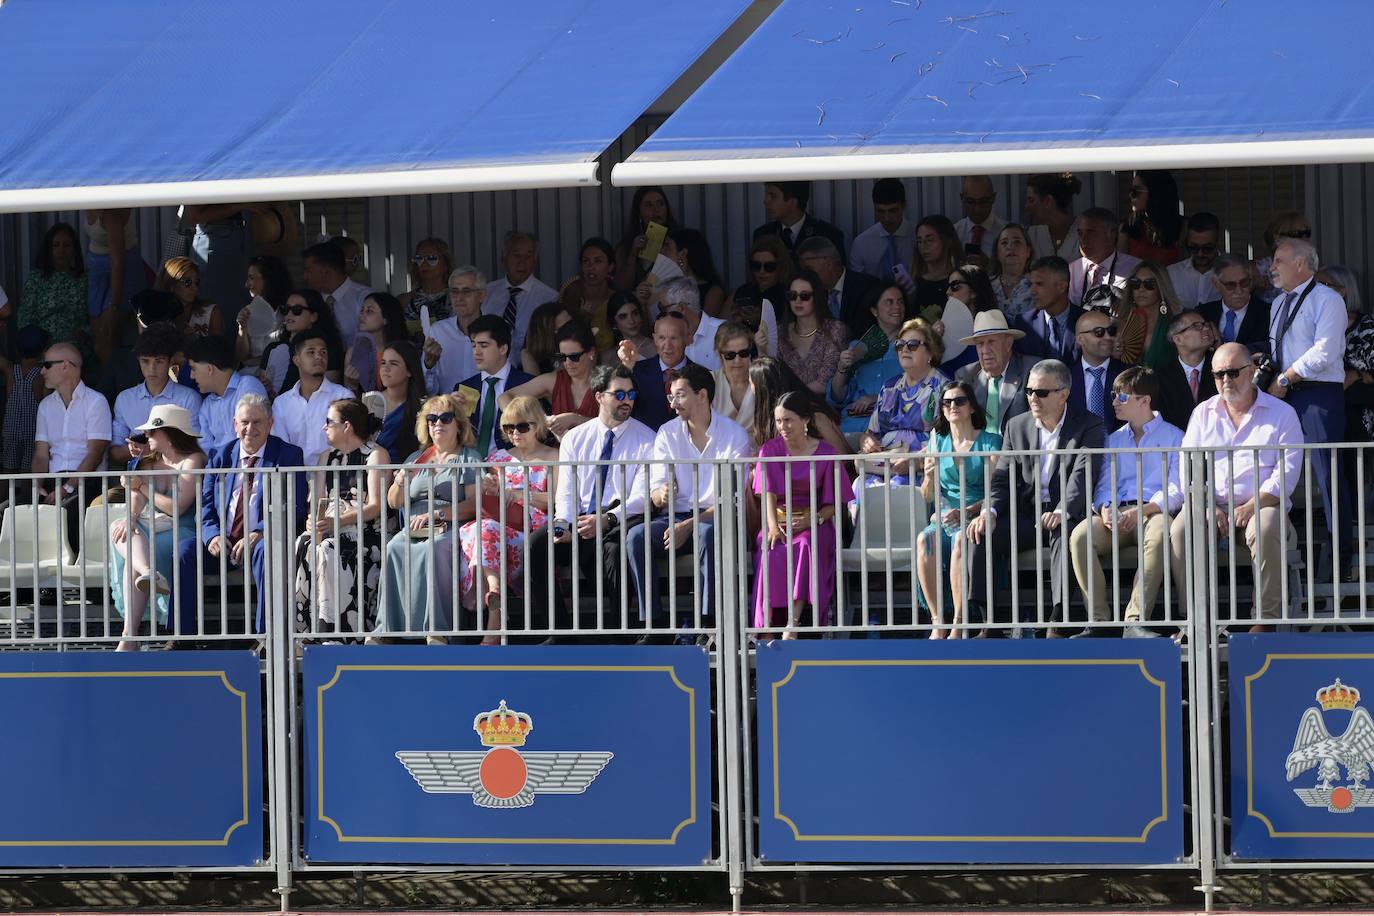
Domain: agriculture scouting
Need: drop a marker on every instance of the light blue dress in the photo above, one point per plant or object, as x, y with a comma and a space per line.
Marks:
947, 476
409, 602
164, 545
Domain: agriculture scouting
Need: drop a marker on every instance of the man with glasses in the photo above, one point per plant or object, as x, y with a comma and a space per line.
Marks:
1193, 278
299, 412
1101, 263
1049, 490
327, 274
515, 296
848, 291
496, 374
891, 241
654, 375
1097, 370
681, 297
978, 229
1134, 495
1187, 381
1239, 315
1049, 326
594, 501
683, 488
448, 348
73, 434
1252, 484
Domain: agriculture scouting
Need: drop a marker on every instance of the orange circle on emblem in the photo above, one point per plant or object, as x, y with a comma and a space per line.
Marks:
503, 772
1341, 798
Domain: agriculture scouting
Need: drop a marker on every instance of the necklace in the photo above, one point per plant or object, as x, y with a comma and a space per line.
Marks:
810, 333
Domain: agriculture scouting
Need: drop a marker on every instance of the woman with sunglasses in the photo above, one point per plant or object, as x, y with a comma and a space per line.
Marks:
628, 322
1012, 255
429, 269
734, 398
268, 283
970, 284
1144, 315
770, 274
959, 429
568, 388
526, 487
401, 376
809, 337
304, 310
868, 362
591, 293
905, 409
381, 320
937, 247
198, 318
1152, 225
433, 494
331, 559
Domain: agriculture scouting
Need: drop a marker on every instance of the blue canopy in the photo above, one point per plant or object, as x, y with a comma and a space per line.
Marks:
866, 88
172, 101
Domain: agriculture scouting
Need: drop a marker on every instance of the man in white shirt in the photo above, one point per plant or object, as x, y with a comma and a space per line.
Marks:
73, 433
448, 348
1192, 277
1307, 346
978, 229
683, 487
682, 297
299, 413
515, 296
594, 500
1100, 263
891, 240
326, 274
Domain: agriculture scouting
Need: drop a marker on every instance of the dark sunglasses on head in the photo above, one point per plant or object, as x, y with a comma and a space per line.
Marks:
297, 310
624, 395
1041, 393
799, 295
1109, 331
561, 358
763, 267
1220, 374
956, 401
731, 355
430, 259
1233, 285
955, 285
913, 345
445, 418
509, 428
1297, 234
1200, 249
667, 311
1138, 282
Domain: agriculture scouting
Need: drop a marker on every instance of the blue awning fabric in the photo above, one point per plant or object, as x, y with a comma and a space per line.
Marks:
172, 101
867, 88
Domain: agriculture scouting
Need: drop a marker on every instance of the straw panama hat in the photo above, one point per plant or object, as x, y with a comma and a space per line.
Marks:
988, 324
169, 415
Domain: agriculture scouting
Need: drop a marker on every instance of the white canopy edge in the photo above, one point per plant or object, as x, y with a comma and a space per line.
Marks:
1009, 161
303, 187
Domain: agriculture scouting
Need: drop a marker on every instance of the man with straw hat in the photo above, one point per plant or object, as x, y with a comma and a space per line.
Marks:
999, 376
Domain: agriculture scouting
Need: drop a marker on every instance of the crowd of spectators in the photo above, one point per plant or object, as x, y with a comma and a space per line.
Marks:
1136, 332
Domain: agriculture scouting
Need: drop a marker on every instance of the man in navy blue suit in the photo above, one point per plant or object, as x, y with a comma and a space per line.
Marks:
491, 340
1050, 326
1096, 370
231, 527
654, 375
785, 203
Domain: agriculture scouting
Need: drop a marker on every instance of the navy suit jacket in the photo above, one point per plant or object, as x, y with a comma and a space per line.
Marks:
514, 379
1035, 344
811, 226
218, 489
1253, 331
1078, 393
651, 402
1176, 401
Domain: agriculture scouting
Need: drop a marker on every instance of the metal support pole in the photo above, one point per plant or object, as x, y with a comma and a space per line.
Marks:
733, 657
1200, 670
279, 655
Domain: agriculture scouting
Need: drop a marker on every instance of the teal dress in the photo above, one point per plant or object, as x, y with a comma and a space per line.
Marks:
164, 545
420, 580
947, 478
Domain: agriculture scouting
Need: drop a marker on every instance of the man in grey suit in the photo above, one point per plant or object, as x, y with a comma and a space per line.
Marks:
998, 369
1049, 492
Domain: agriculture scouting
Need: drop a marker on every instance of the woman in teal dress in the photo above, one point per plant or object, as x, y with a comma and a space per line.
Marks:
163, 511
420, 579
960, 427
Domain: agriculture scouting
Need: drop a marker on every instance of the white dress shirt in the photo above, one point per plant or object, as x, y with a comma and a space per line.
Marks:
1270, 422
1236, 322
1314, 346
991, 227
67, 428
633, 441
501, 375
1049, 442
702, 348
694, 481
301, 422
533, 294
1043, 244
868, 254
1192, 287
1116, 267
236, 491
348, 302
455, 362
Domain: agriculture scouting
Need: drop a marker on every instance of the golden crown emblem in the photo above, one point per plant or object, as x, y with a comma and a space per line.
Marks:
502, 727
1338, 696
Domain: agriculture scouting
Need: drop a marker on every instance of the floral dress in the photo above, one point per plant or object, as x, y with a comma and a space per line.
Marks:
55, 303
902, 420
1359, 355
517, 477
821, 360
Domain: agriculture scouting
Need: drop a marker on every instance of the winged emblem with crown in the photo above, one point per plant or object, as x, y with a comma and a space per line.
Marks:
1314, 746
501, 776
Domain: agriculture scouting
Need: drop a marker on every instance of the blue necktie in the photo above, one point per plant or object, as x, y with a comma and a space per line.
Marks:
891, 259
1051, 335
1228, 327
1097, 401
604, 470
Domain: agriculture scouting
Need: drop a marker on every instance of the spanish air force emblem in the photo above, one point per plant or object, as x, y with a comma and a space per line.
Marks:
1354, 750
503, 777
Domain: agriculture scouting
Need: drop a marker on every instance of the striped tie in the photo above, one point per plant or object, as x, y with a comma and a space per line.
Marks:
512, 307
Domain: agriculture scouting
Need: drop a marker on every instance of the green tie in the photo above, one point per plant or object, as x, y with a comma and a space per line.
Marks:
488, 422
994, 402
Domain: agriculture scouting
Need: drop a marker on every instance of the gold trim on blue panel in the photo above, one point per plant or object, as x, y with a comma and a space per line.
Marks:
1163, 816
517, 841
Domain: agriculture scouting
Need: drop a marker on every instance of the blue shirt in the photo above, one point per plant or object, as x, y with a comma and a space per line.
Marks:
868, 378
216, 419
134, 404
1130, 487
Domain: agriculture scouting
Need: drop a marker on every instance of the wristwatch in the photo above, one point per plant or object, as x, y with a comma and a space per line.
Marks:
68, 489
1283, 381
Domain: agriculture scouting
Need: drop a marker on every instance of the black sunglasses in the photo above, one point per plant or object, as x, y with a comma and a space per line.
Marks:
956, 401
624, 395
1233, 285
509, 428
1041, 393
731, 355
296, 310
445, 418
1138, 282
1201, 249
663, 312
899, 345
561, 358
1220, 374
1297, 234
763, 267
1109, 331
49, 363
430, 259
798, 295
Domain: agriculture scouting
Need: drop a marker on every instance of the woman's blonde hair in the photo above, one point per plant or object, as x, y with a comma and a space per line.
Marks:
525, 409
933, 340
173, 270
439, 404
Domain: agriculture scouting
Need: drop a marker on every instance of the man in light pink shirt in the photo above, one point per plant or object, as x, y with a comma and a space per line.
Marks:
1252, 487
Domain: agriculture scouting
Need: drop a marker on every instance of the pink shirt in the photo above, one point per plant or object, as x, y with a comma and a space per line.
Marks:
1269, 422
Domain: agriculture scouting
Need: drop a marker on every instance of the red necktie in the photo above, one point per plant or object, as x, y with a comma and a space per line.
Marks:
245, 494
1193, 376
669, 376
977, 236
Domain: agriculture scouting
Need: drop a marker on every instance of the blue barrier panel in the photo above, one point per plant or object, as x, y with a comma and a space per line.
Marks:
1302, 745
521, 755
1027, 751
122, 760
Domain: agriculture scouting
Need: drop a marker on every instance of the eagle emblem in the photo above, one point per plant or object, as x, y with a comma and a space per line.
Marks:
503, 777
1314, 746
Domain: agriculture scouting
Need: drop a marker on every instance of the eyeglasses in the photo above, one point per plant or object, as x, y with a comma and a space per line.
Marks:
1109, 331
763, 267
49, 363
912, 345
1200, 249
676, 397
189, 282
956, 401
1296, 233
1138, 282
732, 355
1195, 326
561, 358
296, 310
463, 290
797, 295
353, 260
509, 428
430, 259
1041, 393
955, 285
445, 418
623, 395
1233, 285
1220, 374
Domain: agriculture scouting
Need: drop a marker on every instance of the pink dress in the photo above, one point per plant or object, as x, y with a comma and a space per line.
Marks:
514, 529
772, 562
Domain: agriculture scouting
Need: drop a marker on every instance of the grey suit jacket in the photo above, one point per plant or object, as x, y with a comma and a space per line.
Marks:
1012, 395
1081, 430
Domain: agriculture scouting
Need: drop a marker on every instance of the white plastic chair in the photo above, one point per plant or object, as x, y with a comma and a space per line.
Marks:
27, 531
908, 513
95, 547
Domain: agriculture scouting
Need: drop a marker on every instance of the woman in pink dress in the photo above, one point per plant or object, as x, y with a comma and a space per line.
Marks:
797, 495
528, 492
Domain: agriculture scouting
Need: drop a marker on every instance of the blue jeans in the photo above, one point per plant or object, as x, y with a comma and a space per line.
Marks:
646, 577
